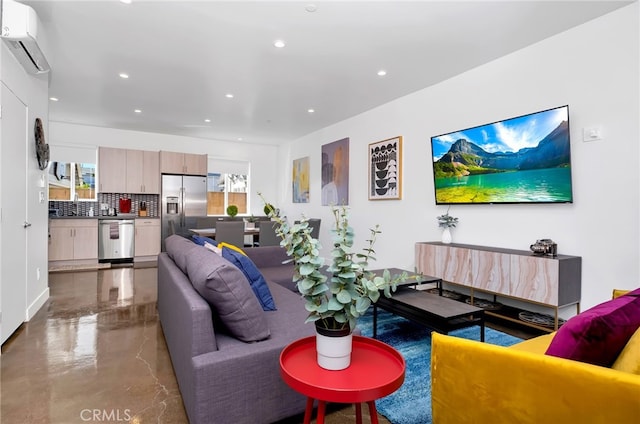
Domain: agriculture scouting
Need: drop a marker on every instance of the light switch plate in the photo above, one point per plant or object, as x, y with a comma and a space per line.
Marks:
592, 133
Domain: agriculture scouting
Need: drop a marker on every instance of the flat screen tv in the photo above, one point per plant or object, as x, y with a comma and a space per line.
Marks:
525, 159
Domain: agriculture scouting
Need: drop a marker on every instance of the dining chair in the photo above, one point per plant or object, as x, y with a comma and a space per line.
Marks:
231, 232
314, 223
268, 236
206, 222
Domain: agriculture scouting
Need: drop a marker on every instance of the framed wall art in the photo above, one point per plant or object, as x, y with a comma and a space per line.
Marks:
335, 173
385, 169
300, 180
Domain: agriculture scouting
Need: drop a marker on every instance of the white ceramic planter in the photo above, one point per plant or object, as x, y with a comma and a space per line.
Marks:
334, 353
446, 235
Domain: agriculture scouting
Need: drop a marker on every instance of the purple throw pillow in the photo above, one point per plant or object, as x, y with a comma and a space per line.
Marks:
598, 335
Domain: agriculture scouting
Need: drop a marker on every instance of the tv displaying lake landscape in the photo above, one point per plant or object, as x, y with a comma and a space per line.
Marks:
525, 159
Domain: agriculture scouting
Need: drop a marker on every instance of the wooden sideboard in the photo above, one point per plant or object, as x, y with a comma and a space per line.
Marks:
553, 282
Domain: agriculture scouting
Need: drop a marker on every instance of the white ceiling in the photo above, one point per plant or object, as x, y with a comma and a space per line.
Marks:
183, 57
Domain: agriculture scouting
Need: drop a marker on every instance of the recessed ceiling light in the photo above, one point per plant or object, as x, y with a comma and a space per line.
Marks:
382, 73
137, 110
53, 99
279, 44
311, 110
239, 138
126, 1
311, 7
207, 120
123, 75
229, 96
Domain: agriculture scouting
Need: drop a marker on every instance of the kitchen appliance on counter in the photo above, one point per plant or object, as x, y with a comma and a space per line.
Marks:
125, 206
184, 197
116, 240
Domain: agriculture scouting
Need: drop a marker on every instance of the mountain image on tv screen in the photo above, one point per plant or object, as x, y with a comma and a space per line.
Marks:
519, 160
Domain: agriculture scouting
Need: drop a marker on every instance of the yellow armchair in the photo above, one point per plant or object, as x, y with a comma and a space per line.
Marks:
475, 382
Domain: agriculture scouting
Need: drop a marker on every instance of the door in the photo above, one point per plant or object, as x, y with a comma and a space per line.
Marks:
172, 163
151, 172
171, 209
14, 213
85, 239
147, 242
60, 240
135, 171
112, 170
194, 196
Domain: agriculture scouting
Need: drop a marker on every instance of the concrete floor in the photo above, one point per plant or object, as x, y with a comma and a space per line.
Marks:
96, 353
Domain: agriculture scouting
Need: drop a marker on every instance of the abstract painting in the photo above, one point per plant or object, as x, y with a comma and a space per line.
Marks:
300, 179
335, 173
385, 169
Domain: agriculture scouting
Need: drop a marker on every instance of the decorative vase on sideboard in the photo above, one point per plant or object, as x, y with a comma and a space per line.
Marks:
446, 235
333, 348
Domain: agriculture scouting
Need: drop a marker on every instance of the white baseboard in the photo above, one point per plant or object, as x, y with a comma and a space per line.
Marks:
37, 304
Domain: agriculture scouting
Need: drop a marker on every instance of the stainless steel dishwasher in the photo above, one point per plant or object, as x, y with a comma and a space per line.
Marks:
116, 240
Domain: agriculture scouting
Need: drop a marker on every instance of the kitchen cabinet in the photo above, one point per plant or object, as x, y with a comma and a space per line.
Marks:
112, 170
143, 172
128, 171
183, 163
73, 239
147, 238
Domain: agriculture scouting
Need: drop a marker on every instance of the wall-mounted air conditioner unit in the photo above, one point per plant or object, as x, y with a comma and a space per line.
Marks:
20, 32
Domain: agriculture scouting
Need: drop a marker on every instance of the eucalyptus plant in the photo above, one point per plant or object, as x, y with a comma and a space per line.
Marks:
338, 301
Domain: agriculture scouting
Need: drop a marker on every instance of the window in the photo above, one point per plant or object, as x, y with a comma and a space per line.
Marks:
72, 181
72, 173
228, 184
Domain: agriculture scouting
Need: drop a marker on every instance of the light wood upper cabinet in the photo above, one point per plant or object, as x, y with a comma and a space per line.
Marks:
183, 163
112, 170
73, 239
135, 173
171, 162
151, 172
195, 164
128, 171
143, 172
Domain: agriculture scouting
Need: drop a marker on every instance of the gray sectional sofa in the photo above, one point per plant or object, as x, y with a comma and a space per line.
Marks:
223, 379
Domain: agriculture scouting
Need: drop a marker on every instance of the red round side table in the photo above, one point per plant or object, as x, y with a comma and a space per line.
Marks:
376, 370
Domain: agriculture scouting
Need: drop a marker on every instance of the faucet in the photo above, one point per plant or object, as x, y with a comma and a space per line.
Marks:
74, 205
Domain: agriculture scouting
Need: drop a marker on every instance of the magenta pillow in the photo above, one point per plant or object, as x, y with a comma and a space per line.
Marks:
598, 335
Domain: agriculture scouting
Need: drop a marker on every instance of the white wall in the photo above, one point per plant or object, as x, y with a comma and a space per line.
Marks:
33, 92
594, 69
262, 158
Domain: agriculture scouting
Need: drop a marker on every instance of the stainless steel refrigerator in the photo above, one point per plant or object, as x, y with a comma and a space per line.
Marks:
184, 198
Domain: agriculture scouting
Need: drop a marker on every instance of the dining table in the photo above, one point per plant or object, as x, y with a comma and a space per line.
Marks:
211, 232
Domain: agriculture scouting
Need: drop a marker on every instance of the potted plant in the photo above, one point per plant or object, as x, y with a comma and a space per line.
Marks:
446, 222
251, 221
334, 303
232, 211
269, 209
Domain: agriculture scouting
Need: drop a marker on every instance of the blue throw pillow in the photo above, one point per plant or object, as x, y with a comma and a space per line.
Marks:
201, 240
257, 281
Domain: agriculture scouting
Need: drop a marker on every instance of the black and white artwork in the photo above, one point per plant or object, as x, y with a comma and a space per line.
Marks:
385, 169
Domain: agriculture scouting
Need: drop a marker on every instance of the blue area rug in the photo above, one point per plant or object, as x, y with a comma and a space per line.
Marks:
411, 404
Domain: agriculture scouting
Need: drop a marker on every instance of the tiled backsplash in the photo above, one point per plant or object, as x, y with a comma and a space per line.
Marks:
113, 200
